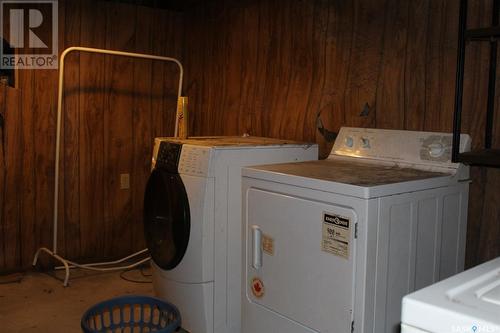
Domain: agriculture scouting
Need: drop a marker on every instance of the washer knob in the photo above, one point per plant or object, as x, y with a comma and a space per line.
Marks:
436, 149
365, 143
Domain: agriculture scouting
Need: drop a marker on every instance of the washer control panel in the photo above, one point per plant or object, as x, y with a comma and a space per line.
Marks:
167, 156
194, 160
410, 147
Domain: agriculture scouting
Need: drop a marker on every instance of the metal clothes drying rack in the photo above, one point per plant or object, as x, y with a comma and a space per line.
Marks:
68, 264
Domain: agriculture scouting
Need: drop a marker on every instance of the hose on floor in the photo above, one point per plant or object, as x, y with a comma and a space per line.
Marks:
123, 275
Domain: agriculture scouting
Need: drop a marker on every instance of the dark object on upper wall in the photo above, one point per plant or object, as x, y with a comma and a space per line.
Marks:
328, 135
488, 156
7, 76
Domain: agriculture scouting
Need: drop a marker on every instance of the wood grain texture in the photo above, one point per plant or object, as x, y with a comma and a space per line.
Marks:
70, 216
270, 67
263, 67
365, 62
416, 65
488, 241
475, 95
390, 88
3, 174
111, 116
27, 178
12, 197
158, 88
333, 63
141, 124
91, 132
118, 131
44, 121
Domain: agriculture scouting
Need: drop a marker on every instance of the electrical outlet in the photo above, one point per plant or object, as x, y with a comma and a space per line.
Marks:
124, 181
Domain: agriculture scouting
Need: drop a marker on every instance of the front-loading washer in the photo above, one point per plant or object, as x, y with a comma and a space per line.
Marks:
192, 220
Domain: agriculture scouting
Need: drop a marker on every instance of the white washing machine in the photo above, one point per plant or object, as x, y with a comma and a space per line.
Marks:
468, 302
192, 219
332, 246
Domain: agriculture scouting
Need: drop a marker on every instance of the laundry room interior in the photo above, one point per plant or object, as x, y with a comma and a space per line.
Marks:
211, 166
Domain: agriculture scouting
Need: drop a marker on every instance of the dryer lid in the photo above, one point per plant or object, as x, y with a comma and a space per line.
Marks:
352, 178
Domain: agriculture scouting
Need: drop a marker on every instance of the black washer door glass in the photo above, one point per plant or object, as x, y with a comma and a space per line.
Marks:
166, 218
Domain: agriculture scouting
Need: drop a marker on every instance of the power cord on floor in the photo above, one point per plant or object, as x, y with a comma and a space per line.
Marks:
141, 270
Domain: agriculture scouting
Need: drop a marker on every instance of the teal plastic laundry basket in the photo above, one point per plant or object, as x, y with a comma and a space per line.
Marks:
131, 314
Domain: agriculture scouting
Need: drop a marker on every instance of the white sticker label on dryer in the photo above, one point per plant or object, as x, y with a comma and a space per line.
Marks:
336, 235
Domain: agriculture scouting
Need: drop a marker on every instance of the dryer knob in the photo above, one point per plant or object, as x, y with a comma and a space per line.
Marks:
349, 142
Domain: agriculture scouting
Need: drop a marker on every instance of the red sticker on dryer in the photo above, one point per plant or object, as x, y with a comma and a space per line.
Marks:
257, 287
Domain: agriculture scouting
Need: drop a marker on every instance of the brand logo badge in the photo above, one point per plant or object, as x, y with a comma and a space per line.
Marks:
337, 220
30, 34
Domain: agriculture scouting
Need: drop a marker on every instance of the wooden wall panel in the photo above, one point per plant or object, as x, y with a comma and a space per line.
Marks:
141, 122
118, 131
480, 226
416, 65
169, 27
70, 186
26, 180
365, 62
390, 103
269, 67
264, 67
113, 109
334, 45
91, 131
43, 114
3, 174
11, 171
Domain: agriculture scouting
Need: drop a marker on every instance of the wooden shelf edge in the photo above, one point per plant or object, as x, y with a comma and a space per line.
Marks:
485, 157
482, 33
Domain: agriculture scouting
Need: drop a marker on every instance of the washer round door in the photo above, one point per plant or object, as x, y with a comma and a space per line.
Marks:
166, 218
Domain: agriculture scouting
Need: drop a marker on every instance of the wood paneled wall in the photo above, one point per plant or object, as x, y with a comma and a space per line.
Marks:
265, 67
114, 107
269, 67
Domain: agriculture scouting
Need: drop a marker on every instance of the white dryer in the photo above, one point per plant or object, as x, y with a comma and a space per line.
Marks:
192, 220
332, 246
468, 302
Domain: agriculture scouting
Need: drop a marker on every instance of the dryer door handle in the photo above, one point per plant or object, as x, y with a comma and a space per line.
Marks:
257, 247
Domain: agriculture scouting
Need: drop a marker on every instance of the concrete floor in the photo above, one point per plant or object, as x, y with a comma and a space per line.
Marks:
40, 303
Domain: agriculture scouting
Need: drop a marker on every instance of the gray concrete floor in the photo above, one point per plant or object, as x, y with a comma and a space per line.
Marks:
40, 303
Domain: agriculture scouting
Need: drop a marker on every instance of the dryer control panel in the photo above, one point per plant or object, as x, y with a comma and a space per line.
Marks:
194, 160
427, 150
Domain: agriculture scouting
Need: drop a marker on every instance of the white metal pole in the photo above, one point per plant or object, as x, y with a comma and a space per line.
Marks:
59, 111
